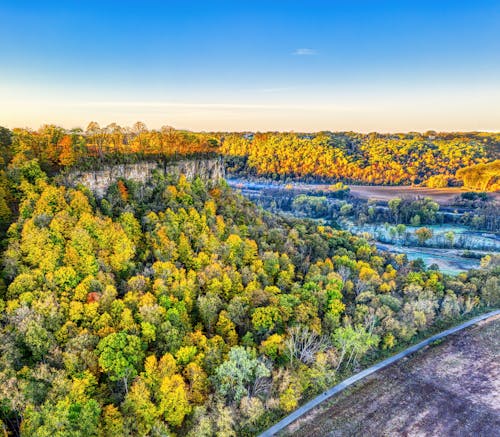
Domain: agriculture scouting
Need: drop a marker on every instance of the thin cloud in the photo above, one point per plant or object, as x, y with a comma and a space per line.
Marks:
305, 52
209, 106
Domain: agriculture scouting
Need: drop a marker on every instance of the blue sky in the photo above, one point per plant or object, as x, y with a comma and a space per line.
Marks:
252, 65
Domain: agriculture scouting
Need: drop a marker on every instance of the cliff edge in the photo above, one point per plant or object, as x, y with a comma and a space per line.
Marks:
98, 181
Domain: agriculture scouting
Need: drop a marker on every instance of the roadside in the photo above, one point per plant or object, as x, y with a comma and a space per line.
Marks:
452, 389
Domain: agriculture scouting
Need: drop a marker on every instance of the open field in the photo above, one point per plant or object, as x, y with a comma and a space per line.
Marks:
443, 196
384, 193
452, 389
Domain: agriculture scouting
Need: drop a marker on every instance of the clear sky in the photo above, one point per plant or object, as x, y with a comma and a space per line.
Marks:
252, 65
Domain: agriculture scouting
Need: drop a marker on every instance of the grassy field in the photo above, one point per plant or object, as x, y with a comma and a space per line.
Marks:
450, 389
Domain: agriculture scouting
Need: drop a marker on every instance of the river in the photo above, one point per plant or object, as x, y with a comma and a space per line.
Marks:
449, 260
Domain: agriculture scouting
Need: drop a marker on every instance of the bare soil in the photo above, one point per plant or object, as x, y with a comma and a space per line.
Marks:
450, 389
443, 196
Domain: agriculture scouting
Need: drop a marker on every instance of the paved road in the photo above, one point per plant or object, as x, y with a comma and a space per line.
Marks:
355, 378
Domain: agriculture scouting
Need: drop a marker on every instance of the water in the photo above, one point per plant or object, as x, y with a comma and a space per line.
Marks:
463, 237
449, 260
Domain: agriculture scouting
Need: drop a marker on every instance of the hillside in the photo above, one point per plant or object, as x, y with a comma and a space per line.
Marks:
174, 306
375, 159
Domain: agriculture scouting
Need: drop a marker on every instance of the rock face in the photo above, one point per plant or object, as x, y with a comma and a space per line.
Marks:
98, 181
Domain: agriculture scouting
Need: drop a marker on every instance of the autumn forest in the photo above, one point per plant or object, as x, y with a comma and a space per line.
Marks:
179, 307
432, 159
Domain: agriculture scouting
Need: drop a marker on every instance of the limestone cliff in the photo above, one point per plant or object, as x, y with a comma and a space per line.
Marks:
98, 181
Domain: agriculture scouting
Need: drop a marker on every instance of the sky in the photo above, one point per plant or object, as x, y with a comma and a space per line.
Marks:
387, 66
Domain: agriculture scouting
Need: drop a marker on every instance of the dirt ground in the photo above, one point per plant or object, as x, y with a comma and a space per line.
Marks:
450, 389
443, 196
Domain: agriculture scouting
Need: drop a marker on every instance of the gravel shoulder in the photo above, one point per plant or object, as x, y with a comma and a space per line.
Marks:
451, 389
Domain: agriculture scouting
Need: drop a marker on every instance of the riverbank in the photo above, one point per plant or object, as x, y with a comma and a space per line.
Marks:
445, 248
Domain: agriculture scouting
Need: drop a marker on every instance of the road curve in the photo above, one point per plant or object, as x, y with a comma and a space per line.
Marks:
281, 425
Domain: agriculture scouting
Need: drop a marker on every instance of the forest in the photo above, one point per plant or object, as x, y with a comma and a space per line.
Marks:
179, 307
433, 159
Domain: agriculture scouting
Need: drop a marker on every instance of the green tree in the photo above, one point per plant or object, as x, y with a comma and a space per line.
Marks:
394, 207
120, 355
235, 377
140, 412
450, 237
64, 418
491, 291
353, 342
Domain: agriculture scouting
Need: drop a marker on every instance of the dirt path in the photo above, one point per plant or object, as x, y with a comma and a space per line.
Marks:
452, 389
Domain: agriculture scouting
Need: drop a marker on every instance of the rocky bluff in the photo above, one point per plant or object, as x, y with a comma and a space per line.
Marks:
98, 181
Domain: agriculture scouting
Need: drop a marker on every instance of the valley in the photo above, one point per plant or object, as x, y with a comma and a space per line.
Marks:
142, 292
461, 254
214, 216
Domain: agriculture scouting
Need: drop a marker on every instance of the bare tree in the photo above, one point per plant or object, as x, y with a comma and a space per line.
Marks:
360, 286
115, 131
97, 135
344, 272
303, 344
139, 128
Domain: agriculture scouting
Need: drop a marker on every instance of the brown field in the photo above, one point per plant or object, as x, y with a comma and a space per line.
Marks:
384, 193
452, 389
443, 196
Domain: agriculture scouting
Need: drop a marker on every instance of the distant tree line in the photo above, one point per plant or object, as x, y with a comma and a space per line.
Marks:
396, 159
433, 159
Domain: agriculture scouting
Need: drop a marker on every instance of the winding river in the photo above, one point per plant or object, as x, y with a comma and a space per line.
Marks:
449, 260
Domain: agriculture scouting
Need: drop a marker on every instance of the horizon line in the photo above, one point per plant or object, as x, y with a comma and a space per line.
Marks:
283, 131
